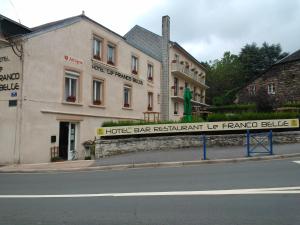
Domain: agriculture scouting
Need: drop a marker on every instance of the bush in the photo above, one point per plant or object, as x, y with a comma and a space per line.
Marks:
263, 101
297, 105
195, 119
251, 116
236, 108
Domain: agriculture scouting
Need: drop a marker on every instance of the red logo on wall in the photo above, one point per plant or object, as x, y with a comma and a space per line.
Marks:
73, 60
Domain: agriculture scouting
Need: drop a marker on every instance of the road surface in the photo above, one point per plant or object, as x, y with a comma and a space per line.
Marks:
264, 192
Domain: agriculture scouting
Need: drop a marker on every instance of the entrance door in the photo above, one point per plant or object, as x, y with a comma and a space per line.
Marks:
72, 141
67, 140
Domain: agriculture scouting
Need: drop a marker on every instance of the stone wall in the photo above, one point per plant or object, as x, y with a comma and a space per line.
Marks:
120, 146
284, 77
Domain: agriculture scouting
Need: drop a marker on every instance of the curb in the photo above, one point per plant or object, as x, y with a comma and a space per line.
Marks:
150, 165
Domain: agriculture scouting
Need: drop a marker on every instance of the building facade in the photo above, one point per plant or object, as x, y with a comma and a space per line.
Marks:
281, 82
180, 69
62, 80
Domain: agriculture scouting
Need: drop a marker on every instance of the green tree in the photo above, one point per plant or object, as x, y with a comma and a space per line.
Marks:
227, 75
256, 60
223, 79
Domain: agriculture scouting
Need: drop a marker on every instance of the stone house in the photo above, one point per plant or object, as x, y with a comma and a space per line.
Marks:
281, 82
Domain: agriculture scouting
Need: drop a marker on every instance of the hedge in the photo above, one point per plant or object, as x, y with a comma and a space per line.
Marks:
234, 108
251, 116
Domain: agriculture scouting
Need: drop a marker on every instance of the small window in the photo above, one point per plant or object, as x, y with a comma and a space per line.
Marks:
175, 108
134, 65
252, 90
127, 96
158, 98
176, 59
97, 48
150, 101
175, 86
71, 86
111, 54
97, 92
150, 72
271, 89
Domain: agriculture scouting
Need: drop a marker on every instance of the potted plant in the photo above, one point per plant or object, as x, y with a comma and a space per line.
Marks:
150, 78
97, 102
110, 62
71, 99
126, 105
135, 72
149, 108
97, 57
175, 112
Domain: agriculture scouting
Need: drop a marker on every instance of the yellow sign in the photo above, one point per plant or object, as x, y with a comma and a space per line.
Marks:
198, 127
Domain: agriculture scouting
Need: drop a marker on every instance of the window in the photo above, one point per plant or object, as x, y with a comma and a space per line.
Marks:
252, 90
111, 52
271, 89
71, 86
158, 98
97, 92
97, 48
134, 64
175, 86
194, 94
150, 72
186, 85
176, 59
150, 101
175, 108
127, 96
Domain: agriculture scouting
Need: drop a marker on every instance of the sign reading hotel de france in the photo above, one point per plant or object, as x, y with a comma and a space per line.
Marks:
198, 127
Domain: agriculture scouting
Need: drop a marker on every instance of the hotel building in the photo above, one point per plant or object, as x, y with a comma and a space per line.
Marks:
61, 80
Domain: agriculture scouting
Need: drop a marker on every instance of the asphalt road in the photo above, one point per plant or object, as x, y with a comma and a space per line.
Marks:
73, 205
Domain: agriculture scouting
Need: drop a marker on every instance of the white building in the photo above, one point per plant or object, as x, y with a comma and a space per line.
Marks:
62, 80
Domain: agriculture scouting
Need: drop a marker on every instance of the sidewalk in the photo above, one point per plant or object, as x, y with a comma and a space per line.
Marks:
176, 157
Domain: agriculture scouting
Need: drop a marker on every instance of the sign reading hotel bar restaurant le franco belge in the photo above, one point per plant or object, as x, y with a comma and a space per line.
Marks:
198, 127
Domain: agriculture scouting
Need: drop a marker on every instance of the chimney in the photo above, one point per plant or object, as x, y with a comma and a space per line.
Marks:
164, 85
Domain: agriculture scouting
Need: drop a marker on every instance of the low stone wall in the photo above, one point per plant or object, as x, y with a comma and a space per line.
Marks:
120, 146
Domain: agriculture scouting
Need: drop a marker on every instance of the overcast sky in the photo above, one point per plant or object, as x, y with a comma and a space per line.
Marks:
205, 28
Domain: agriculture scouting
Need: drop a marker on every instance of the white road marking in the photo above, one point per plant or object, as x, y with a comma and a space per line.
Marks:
297, 162
254, 191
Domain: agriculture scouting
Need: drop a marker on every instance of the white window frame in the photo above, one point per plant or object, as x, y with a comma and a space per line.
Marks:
129, 97
271, 89
176, 108
95, 97
97, 41
150, 69
150, 101
252, 90
134, 64
111, 58
69, 76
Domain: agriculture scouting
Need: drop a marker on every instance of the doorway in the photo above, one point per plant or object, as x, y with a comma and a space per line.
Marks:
67, 140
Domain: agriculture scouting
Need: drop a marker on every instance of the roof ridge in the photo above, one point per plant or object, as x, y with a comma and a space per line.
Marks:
54, 22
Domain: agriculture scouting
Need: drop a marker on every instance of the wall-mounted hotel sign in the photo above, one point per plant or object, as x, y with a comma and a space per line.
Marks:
9, 81
116, 73
198, 127
73, 60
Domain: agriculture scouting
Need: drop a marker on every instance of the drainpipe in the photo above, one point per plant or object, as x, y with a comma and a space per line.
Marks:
164, 85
